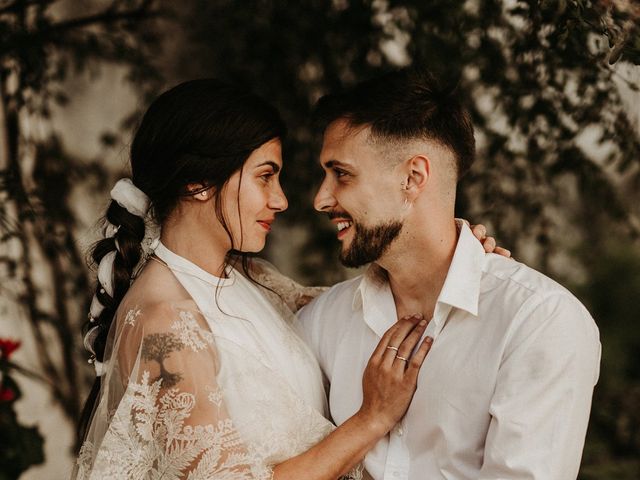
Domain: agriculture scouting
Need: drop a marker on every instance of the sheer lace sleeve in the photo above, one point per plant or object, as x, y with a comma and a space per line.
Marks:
292, 293
162, 412
204, 382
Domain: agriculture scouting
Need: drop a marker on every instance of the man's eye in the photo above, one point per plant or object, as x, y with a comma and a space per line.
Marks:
339, 173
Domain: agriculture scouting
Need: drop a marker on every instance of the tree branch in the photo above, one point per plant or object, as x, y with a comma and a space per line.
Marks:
107, 16
23, 4
55, 31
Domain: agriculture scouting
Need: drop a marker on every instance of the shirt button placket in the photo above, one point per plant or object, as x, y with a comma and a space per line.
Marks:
397, 465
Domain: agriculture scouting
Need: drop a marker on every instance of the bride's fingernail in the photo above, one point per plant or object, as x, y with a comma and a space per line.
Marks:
428, 340
423, 322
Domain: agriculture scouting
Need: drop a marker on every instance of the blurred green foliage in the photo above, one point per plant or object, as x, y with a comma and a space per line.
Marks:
558, 150
613, 447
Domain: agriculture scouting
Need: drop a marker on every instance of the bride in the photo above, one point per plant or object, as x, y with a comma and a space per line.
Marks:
200, 374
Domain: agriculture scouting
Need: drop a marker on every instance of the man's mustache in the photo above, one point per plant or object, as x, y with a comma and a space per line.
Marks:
335, 214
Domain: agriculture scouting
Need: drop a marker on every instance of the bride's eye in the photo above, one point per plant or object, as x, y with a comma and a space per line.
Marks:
266, 176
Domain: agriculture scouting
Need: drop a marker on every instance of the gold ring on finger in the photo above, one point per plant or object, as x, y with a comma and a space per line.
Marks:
402, 358
393, 348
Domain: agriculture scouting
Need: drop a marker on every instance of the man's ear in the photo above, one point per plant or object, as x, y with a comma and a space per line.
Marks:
418, 173
199, 192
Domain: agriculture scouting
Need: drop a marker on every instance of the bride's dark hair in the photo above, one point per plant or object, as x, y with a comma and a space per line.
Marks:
201, 131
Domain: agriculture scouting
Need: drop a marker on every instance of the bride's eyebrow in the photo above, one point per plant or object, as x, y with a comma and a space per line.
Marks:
274, 165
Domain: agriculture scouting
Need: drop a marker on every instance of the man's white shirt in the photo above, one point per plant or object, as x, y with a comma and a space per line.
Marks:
506, 389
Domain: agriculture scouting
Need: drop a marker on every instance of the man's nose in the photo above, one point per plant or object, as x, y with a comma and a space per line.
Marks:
324, 199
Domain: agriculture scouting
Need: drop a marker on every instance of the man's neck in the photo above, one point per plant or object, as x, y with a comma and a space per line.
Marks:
417, 267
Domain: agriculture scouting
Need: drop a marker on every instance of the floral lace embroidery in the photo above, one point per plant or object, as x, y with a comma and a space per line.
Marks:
356, 474
294, 295
132, 315
215, 396
147, 439
191, 334
84, 460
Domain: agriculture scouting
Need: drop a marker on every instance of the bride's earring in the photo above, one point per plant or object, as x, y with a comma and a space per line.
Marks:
203, 194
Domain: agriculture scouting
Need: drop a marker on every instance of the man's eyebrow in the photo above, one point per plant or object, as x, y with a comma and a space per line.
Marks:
270, 163
336, 163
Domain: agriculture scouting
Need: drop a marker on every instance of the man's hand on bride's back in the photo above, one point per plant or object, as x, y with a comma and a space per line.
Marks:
391, 376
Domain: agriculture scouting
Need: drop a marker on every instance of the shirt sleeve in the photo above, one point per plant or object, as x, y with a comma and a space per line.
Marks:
308, 328
540, 407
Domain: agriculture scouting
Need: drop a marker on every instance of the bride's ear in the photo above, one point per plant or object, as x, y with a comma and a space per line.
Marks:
199, 192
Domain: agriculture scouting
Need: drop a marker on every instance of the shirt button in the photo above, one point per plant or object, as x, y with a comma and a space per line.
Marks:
396, 474
399, 431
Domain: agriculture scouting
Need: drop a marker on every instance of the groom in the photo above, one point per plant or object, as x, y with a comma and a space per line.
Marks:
505, 391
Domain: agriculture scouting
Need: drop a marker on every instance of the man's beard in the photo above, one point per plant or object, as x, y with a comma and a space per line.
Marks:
369, 244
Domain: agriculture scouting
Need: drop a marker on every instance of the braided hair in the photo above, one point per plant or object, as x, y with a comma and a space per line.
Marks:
201, 131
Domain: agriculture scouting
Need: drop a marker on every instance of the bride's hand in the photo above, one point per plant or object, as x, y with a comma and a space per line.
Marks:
489, 243
389, 382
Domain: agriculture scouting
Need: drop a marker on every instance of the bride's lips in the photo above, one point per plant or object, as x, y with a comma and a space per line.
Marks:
266, 224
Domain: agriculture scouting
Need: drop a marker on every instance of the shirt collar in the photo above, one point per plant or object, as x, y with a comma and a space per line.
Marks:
375, 298
461, 287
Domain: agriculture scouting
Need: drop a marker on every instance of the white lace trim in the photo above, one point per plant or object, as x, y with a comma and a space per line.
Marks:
147, 439
131, 316
191, 334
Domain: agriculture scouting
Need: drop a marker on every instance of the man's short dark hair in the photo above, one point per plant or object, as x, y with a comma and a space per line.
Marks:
405, 104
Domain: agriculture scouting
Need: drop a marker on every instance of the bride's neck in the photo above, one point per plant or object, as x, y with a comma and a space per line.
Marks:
198, 241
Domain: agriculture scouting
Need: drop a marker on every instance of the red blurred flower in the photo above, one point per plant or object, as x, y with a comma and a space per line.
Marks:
7, 347
6, 394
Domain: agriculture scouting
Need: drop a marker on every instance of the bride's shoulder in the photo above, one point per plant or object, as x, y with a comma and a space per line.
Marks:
155, 292
156, 283
151, 315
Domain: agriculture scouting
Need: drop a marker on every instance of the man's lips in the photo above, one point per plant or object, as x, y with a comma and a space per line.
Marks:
343, 225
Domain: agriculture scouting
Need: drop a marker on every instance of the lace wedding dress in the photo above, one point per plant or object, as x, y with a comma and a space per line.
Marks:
205, 378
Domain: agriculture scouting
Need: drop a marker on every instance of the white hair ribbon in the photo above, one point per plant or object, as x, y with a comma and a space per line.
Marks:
101, 368
130, 197
105, 278
110, 230
96, 308
105, 272
90, 337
